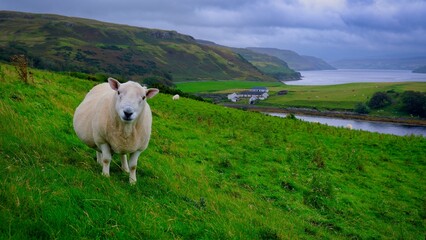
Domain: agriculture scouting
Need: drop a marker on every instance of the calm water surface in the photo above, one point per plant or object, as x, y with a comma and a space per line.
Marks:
388, 128
341, 76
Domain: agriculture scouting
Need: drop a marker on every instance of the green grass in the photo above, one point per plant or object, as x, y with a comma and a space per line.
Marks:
343, 96
209, 173
219, 86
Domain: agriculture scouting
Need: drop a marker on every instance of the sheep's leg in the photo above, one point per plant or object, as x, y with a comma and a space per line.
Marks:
99, 157
124, 164
132, 164
106, 159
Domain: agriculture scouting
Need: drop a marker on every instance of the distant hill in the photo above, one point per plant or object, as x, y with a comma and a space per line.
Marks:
420, 69
268, 64
294, 60
382, 63
74, 44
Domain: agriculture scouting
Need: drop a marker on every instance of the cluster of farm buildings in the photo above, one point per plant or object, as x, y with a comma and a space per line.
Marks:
254, 94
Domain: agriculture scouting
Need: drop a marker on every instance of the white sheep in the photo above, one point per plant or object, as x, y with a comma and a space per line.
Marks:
176, 97
115, 117
349, 126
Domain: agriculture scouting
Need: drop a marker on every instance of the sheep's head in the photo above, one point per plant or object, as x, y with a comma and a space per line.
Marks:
130, 98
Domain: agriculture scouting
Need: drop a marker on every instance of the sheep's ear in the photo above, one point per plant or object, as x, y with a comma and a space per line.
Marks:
151, 92
114, 83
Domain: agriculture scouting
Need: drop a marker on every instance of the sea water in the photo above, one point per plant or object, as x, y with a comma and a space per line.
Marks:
341, 76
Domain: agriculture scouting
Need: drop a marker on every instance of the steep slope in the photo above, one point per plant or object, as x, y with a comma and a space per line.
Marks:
267, 64
317, 63
294, 60
73, 44
209, 173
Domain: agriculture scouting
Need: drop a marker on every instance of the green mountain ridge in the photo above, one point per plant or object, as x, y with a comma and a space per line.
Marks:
294, 60
82, 45
268, 64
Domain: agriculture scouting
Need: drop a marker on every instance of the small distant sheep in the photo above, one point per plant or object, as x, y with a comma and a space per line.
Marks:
349, 126
115, 117
176, 97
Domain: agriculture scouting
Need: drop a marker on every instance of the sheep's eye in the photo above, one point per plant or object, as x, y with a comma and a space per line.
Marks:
143, 98
118, 92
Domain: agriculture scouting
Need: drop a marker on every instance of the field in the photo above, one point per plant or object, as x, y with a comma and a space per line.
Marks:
209, 173
222, 86
331, 97
343, 96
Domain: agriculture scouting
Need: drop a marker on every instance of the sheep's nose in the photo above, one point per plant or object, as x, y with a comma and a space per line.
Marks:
128, 113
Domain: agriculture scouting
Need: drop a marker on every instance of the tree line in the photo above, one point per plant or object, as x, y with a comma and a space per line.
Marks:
411, 102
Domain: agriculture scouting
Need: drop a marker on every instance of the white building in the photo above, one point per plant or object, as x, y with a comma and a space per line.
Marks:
259, 89
249, 94
252, 100
233, 97
256, 93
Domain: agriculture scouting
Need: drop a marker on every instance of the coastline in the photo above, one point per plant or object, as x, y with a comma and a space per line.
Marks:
332, 114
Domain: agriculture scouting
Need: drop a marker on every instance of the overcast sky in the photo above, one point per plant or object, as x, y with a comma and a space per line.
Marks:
330, 29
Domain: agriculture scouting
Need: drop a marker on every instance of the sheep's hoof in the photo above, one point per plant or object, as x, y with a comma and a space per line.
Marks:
105, 174
126, 169
132, 181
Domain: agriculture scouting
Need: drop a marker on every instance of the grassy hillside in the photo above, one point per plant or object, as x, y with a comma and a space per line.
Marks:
269, 64
294, 60
209, 173
74, 44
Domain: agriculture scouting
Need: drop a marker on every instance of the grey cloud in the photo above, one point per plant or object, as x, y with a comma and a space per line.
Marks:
265, 13
388, 15
322, 27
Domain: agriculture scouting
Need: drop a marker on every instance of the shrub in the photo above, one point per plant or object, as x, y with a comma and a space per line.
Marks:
361, 108
1, 73
21, 66
379, 100
414, 103
291, 116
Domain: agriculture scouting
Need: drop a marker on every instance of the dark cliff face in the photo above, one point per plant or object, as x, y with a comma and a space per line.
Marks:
74, 44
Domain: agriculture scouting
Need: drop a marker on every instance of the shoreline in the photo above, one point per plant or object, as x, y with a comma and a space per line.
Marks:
332, 114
